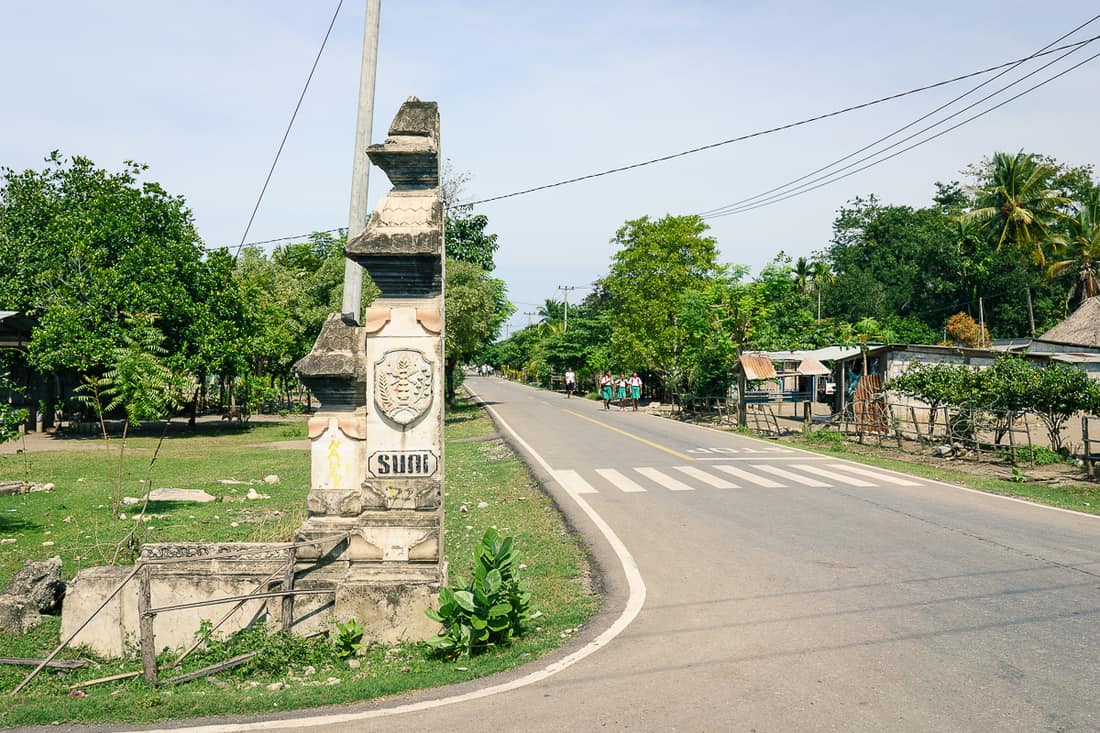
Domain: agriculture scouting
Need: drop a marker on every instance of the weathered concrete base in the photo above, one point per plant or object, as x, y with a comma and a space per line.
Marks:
390, 606
389, 612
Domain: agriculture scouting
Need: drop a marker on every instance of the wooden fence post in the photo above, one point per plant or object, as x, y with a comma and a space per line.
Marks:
145, 626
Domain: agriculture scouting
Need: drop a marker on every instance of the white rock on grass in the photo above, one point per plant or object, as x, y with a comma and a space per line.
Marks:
271, 479
253, 494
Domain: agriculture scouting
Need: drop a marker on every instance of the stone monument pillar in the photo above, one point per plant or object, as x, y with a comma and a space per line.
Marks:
377, 440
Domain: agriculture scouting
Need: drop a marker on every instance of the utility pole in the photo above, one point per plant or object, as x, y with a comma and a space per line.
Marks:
529, 314
981, 324
565, 293
1030, 313
360, 169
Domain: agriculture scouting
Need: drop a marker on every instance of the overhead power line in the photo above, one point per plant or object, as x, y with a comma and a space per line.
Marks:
286, 134
834, 178
740, 138
760, 133
1046, 50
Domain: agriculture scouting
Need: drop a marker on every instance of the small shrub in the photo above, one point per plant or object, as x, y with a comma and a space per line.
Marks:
1040, 455
348, 639
826, 437
488, 610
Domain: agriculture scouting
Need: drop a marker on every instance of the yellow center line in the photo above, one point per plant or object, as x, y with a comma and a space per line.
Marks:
640, 439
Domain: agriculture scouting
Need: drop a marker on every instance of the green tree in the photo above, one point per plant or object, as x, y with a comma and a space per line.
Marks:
1017, 204
1056, 393
138, 383
936, 385
803, 275
656, 264
821, 277
467, 240
80, 247
1079, 254
477, 306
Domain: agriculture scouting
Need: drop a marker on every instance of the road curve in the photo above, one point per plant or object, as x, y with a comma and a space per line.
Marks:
784, 591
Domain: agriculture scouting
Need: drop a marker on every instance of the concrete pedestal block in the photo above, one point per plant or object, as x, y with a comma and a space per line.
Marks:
389, 612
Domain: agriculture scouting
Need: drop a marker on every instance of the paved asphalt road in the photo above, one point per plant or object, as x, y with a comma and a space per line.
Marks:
777, 590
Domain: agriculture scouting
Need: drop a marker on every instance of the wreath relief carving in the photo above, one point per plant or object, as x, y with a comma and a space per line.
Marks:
403, 385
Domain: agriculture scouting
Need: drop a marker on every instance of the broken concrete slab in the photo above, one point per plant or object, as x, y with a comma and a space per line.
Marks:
197, 496
39, 583
17, 615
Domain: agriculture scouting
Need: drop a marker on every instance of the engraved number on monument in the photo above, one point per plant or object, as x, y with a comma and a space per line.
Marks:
403, 385
411, 464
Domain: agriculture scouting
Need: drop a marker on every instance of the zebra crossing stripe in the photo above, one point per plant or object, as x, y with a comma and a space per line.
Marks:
818, 471
621, 482
790, 476
706, 478
663, 479
888, 478
572, 482
752, 478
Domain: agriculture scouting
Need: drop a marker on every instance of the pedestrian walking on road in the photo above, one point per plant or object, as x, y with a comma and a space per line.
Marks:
570, 382
605, 389
620, 391
635, 389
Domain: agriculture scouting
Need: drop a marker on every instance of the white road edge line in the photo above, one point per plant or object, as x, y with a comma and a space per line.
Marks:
634, 603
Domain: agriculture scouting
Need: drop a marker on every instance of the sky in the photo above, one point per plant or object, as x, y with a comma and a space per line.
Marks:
534, 93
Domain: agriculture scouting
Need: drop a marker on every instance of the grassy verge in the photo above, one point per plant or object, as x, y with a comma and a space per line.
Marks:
493, 485
1079, 496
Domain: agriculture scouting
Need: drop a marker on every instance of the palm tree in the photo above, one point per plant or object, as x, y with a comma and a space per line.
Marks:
1016, 206
551, 311
802, 275
1081, 250
821, 275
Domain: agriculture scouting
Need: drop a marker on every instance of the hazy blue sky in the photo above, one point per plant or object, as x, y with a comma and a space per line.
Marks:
531, 93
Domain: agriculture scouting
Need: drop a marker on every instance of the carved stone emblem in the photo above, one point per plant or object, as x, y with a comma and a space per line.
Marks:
403, 385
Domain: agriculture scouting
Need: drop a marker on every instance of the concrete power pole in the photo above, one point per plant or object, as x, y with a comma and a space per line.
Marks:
360, 170
565, 294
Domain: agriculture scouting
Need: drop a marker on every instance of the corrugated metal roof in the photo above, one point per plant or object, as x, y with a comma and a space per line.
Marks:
7, 314
758, 367
812, 367
1076, 358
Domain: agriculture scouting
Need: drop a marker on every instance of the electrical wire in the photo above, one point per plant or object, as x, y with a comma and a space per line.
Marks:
740, 138
286, 134
761, 133
801, 190
1046, 50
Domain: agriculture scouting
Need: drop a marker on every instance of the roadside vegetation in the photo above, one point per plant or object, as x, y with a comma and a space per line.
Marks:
1053, 480
1014, 243
487, 487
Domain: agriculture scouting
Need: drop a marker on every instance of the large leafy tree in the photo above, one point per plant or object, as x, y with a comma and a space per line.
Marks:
891, 260
476, 308
657, 263
467, 240
81, 246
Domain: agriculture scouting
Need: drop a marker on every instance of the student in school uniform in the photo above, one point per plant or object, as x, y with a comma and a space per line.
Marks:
635, 390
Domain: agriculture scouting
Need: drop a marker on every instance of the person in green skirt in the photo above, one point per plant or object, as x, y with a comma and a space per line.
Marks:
605, 389
620, 391
635, 390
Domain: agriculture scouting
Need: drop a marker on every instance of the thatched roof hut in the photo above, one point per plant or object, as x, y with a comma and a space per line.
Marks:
1082, 328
